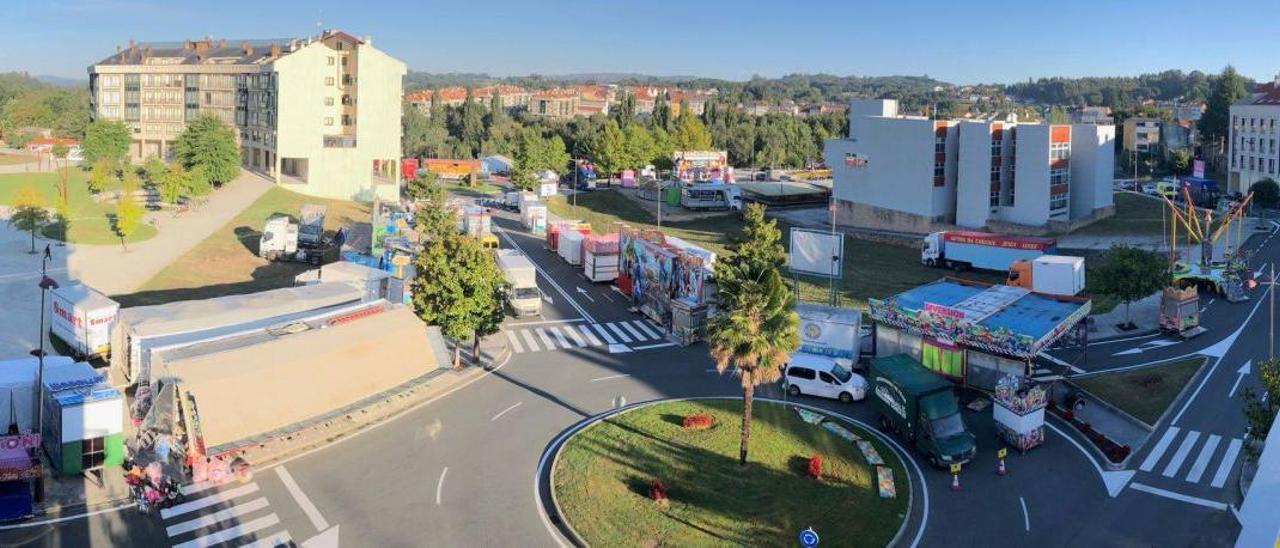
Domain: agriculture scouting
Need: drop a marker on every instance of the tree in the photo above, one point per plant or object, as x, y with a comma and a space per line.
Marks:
537, 153
60, 152
1057, 115
610, 149
154, 168
1215, 123
523, 179
420, 187
472, 125
1266, 194
640, 146
29, 212
210, 144
105, 140
1128, 274
690, 133
661, 117
756, 326
625, 114
1180, 160
128, 212
435, 219
1259, 409
172, 182
100, 173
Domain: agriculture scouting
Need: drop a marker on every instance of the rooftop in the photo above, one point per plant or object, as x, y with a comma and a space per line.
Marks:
207, 50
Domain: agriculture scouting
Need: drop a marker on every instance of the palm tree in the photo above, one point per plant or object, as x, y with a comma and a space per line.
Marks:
756, 326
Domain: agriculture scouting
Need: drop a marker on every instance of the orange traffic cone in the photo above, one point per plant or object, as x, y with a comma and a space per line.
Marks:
955, 482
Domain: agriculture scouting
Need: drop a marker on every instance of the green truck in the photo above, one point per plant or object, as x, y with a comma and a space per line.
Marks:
921, 407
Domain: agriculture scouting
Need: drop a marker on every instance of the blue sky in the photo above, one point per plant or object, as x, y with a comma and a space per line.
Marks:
957, 41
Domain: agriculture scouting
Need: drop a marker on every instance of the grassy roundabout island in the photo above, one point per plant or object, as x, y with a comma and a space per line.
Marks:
604, 480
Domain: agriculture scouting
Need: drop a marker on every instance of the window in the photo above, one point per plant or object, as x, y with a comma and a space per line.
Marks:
1057, 201
801, 373
1059, 177
328, 120
344, 60
328, 101
93, 453
940, 145
346, 119
328, 80
826, 377
330, 59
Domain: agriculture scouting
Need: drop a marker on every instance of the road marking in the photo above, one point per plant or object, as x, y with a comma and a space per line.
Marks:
619, 332
632, 331
586, 331
1158, 451
610, 377
648, 346
1228, 460
1026, 519
543, 322
642, 327
1181, 454
1202, 461
1126, 339
515, 341
542, 334
1219, 350
274, 541
573, 334
231, 533
1178, 496
166, 513
440, 484
564, 343
308, 508
504, 411
549, 279
221, 515
193, 488
1240, 374
528, 338
604, 333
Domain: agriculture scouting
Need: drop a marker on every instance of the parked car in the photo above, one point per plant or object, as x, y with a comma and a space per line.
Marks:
1149, 188
813, 375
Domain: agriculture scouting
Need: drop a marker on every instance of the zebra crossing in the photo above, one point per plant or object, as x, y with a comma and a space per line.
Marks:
537, 338
1182, 465
243, 516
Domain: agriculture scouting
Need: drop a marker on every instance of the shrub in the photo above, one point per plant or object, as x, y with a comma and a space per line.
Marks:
815, 466
700, 421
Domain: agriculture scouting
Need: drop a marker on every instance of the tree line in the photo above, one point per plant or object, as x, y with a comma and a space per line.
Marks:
28, 102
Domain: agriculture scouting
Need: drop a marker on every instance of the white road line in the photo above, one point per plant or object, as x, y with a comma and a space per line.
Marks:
1230, 341
619, 332
610, 377
528, 338
504, 411
632, 331
211, 519
308, 508
1158, 451
193, 488
564, 343
274, 541
586, 331
1228, 460
1178, 496
573, 334
604, 333
1202, 461
648, 346
1180, 455
440, 484
640, 325
515, 341
543, 322
1026, 518
231, 533
546, 339
205, 502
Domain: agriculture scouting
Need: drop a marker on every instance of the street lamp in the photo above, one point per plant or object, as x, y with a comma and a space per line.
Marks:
46, 283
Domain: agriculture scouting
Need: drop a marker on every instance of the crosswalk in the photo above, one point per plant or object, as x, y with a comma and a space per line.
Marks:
536, 338
1182, 465
240, 515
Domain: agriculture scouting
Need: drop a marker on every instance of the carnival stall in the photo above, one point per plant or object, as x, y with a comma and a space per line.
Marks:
555, 228
666, 283
600, 257
1019, 412
533, 214
84, 419
570, 248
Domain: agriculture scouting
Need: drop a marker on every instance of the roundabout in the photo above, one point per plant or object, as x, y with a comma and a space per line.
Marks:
667, 472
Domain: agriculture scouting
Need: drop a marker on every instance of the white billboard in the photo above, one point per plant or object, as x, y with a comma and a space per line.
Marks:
816, 253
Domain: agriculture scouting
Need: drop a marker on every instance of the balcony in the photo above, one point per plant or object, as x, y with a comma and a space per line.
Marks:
339, 141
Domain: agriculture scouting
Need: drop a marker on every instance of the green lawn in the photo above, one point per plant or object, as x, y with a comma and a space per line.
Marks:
604, 473
1144, 393
481, 188
871, 269
1135, 215
90, 221
13, 159
227, 263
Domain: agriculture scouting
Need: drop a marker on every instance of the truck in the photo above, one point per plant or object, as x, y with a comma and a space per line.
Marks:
963, 249
921, 407
522, 293
704, 196
283, 239
82, 318
831, 331
1060, 275
1180, 312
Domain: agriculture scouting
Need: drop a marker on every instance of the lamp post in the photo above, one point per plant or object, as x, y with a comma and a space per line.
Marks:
46, 283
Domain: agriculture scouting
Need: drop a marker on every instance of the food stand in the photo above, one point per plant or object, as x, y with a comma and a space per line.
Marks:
1180, 312
1019, 412
667, 283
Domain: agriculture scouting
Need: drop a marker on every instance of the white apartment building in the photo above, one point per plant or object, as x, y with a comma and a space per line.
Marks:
1141, 134
913, 174
1253, 150
318, 115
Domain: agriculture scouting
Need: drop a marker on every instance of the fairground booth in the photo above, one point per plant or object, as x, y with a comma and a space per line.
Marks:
668, 279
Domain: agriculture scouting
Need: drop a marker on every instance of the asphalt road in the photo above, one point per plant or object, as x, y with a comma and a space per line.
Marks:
460, 470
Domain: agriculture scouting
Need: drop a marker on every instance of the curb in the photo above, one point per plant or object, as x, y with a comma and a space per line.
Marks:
1110, 407
558, 443
1093, 449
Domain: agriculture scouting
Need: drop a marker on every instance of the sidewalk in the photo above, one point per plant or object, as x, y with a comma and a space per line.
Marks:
1144, 313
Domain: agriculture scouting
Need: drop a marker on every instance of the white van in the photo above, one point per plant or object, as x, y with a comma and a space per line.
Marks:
815, 375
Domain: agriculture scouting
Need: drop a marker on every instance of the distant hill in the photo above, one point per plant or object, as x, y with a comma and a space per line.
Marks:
62, 81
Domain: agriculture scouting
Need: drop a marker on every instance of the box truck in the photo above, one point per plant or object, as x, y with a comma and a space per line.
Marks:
921, 407
82, 318
523, 295
962, 249
830, 331
1049, 274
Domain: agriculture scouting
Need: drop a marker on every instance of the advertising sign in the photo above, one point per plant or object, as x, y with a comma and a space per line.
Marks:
853, 159
408, 168
1197, 168
945, 311
816, 253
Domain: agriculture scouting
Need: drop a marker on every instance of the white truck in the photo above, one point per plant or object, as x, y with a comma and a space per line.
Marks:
283, 239
523, 295
1049, 274
82, 318
832, 332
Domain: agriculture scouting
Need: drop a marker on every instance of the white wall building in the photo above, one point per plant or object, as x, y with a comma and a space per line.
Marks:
910, 173
1253, 150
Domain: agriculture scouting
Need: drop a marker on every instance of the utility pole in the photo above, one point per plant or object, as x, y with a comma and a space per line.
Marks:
576, 182
1271, 331
46, 283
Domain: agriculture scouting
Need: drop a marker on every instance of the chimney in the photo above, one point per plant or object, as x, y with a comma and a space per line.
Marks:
245, 49
275, 50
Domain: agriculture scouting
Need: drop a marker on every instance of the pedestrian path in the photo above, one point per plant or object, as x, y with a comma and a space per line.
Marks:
209, 516
635, 335
1193, 457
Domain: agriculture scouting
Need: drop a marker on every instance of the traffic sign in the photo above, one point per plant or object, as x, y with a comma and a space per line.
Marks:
809, 538
1002, 452
955, 468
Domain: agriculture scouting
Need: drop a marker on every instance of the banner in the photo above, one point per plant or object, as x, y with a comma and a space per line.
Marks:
1197, 168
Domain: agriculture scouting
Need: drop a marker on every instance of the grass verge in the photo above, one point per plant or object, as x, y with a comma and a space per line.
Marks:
1144, 393
604, 474
1135, 216
91, 221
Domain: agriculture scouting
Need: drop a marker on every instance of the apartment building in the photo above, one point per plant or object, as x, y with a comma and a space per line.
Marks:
554, 103
1091, 115
914, 174
1141, 134
512, 98
1252, 148
318, 115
